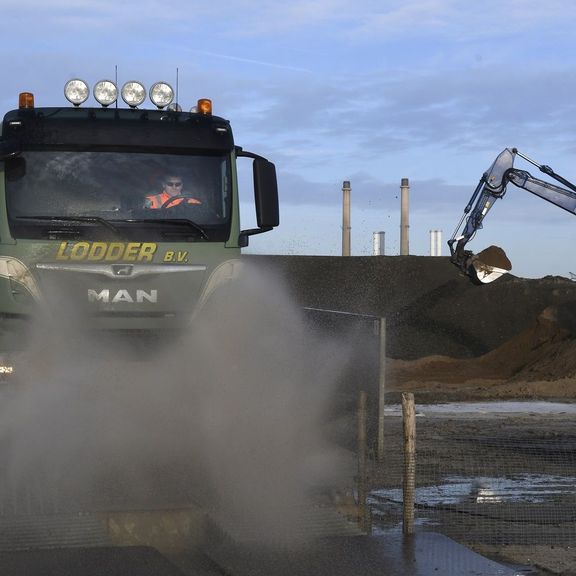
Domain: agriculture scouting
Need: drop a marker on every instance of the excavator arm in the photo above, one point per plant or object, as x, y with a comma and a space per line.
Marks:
491, 263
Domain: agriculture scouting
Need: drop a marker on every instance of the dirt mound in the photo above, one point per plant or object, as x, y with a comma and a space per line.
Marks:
447, 338
544, 351
431, 307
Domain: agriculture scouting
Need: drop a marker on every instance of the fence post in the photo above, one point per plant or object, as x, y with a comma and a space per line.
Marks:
362, 462
409, 484
381, 388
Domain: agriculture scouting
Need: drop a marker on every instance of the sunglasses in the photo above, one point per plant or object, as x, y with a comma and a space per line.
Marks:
177, 184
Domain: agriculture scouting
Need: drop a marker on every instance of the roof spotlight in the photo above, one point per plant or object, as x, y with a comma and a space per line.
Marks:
133, 93
161, 94
76, 91
105, 92
174, 107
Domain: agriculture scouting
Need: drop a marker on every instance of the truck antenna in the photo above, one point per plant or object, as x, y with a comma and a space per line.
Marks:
116, 80
176, 87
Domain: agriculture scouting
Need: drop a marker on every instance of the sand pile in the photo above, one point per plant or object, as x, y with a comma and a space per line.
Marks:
543, 351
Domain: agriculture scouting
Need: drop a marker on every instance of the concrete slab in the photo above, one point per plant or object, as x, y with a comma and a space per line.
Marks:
424, 554
108, 561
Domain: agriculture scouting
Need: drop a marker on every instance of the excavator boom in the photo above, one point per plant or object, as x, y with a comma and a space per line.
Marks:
492, 263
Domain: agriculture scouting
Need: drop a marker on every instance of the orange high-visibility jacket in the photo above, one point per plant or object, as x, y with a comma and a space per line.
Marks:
157, 200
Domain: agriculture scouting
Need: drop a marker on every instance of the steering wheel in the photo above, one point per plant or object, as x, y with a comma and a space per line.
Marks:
172, 199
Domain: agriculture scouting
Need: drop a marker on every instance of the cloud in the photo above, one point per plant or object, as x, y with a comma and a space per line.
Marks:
458, 20
356, 20
369, 192
413, 115
248, 60
471, 111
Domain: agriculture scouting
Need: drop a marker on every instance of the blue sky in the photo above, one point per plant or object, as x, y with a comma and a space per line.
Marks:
369, 91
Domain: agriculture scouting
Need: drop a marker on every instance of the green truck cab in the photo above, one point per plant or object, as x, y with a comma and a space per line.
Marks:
78, 228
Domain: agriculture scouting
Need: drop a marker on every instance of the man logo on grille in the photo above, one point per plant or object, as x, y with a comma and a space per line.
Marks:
122, 269
106, 296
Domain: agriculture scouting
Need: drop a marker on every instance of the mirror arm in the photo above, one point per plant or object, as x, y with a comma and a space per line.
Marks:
245, 234
245, 154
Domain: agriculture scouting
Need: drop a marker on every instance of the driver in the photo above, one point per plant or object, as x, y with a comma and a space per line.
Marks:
172, 187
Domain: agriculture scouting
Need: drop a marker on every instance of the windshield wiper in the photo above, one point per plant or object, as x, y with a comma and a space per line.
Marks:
108, 224
171, 221
90, 219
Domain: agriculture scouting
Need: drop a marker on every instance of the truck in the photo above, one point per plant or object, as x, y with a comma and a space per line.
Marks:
77, 224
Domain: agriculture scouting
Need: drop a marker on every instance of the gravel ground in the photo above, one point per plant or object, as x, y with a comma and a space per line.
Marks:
501, 484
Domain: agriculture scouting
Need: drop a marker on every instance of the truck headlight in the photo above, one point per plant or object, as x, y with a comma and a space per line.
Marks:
133, 93
76, 91
161, 94
19, 273
105, 92
226, 272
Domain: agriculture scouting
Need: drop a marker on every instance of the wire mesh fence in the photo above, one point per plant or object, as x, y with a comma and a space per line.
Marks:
503, 485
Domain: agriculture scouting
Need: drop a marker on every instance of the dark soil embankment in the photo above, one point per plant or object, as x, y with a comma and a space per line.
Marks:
431, 308
447, 338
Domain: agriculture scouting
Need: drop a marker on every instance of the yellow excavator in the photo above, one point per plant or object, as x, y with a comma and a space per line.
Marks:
491, 263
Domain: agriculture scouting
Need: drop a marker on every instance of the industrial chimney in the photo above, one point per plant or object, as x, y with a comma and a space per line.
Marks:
346, 218
435, 242
404, 223
378, 240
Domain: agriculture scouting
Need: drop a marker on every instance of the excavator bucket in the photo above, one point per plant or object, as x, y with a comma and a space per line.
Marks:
488, 265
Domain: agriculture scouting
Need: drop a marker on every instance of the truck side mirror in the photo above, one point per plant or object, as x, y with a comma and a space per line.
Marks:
265, 196
265, 193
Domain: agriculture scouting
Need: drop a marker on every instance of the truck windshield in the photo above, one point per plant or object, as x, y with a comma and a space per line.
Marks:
142, 196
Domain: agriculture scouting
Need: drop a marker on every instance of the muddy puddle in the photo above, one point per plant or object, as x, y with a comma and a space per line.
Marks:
487, 408
523, 488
